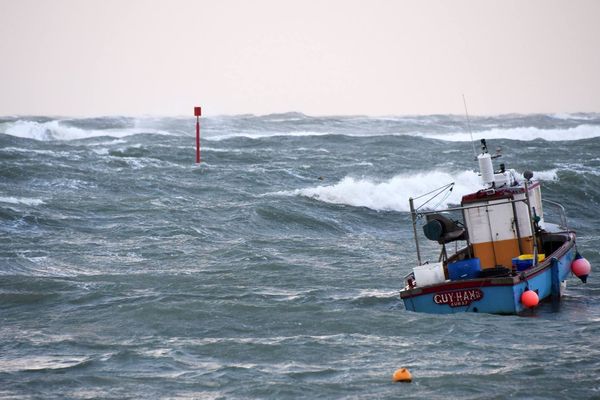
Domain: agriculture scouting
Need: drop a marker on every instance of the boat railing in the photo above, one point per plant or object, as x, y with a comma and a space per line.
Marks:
417, 214
561, 212
460, 208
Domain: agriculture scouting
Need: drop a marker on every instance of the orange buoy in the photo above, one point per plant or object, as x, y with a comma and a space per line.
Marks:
402, 375
530, 299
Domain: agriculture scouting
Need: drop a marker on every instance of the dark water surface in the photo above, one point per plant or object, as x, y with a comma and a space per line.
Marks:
126, 271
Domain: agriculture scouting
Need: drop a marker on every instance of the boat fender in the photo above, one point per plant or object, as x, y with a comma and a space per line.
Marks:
530, 299
581, 267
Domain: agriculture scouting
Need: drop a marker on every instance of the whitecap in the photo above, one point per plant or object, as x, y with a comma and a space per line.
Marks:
57, 130
547, 175
37, 363
579, 132
22, 200
261, 135
570, 116
391, 194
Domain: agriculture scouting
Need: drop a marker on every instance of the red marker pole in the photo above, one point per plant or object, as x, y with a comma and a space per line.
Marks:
197, 114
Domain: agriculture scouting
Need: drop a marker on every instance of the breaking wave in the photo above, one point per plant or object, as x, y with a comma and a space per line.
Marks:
41, 363
267, 134
57, 130
445, 128
393, 194
21, 200
579, 132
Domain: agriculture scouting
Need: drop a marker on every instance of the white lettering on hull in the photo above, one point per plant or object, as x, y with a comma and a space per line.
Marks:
458, 298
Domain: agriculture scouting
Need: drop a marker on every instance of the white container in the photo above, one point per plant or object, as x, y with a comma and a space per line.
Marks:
501, 179
429, 274
486, 168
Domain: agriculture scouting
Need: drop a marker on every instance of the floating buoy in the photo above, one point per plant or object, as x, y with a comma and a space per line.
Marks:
581, 267
530, 299
402, 375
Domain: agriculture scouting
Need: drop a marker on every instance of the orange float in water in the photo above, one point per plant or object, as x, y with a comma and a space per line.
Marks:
402, 375
530, 299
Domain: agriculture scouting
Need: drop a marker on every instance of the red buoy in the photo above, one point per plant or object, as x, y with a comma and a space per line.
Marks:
530, 299
581, 268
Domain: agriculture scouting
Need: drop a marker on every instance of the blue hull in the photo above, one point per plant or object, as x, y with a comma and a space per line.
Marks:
493, 295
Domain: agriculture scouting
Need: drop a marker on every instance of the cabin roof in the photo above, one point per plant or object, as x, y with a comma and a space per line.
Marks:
495, 193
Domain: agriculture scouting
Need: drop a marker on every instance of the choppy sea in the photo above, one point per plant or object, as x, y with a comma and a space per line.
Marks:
272, 269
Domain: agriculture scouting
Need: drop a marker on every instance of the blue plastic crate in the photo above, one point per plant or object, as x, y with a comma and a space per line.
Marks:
464, 269
525, 261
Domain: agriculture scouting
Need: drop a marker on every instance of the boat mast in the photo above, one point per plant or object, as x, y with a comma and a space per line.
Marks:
518, 231
528, 175
469, 126
413, 215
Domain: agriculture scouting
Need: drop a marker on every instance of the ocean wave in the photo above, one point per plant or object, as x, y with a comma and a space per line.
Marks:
580, 169
573, 116
21, 200
579, 132
393, 194
266, 134
427, 127
28, 151
58, 130
41, 363
547, 175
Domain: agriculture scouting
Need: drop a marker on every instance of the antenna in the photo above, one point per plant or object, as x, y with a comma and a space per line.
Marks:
469, 125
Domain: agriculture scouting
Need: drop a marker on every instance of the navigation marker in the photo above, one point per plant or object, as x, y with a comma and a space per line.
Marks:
197, 114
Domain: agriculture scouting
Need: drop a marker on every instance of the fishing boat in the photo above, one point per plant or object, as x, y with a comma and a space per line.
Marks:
507, 257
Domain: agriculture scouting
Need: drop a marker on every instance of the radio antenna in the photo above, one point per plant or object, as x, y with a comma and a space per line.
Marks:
469, 126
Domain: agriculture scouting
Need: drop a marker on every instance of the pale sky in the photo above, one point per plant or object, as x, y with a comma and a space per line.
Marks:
374, 57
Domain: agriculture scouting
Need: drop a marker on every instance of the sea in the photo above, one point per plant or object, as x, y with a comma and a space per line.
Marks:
272, 269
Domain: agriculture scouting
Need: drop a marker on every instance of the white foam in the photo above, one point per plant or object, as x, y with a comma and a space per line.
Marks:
36, 363
579, 132
267, 134
29, 151
579, 168
392, 194
21, 200
56, 130
109, 143
101, 151
547, 175
524, 133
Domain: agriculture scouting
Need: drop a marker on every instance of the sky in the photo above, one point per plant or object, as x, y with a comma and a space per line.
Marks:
325, 57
